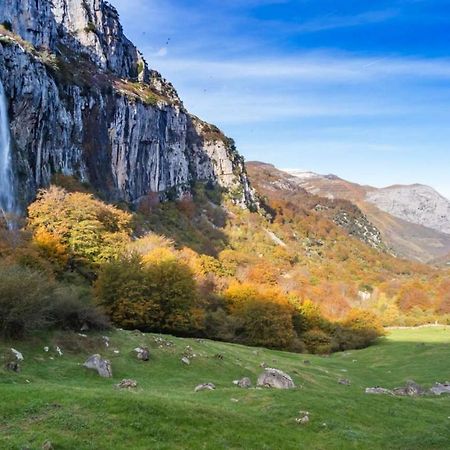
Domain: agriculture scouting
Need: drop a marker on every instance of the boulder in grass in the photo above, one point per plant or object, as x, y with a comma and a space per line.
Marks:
244, 383
102, 366
378, 391
274, 378
205, 387
127, 384
412, 389
143, 353
441, 388
185, 360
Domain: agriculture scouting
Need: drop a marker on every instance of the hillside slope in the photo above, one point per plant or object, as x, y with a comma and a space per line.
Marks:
414, 224
56, 399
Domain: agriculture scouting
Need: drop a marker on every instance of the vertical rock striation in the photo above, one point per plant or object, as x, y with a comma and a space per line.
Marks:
83, 102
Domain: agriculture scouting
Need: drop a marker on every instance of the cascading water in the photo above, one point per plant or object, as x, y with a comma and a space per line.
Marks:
8, 206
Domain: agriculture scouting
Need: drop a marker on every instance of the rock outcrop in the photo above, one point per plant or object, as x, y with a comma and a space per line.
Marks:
82, 102
274, 378
102, 366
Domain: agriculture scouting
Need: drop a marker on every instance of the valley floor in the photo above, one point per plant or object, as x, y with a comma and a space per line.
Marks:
55, 398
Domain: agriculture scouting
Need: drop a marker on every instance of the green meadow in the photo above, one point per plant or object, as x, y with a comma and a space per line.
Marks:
54, 398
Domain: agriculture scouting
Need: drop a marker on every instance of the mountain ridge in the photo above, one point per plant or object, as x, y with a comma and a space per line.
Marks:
410, 236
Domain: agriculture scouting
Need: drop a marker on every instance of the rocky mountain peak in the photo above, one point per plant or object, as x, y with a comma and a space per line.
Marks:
83, 102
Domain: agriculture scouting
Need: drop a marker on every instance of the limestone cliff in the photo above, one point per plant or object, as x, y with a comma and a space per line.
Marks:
83, 102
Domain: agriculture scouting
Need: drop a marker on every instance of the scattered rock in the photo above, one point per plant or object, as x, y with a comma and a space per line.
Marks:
116, 352
127, 384
143, 353
46, 349
102, 366
82, 335
412, 389
263, 365
84, 328
378, 390
13, 366
306, 362
441, 388
47, 445
185, 360
303, 418
344, 381
106, 340
218, 356
17, 354
59, 351
205, 387
234, 400
275, 378
243, 383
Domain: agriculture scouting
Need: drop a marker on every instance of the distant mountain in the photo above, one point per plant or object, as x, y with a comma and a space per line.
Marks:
413, 220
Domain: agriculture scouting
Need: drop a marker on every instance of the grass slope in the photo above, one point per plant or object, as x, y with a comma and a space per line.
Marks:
55, 398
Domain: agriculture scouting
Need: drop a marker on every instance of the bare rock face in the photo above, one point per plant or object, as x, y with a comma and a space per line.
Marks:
83, 102
275, 378
102, 366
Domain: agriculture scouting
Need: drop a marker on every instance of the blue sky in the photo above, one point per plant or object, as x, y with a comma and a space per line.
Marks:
356, 88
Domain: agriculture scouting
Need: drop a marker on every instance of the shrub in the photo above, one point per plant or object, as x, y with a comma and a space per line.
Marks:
25, 296
317, 341
157, 297
29, 302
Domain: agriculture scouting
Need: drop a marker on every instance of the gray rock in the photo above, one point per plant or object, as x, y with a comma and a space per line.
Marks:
143, 353
127, 384
344, 381
205, 387
243, 383
102, 366
47, 445
412, 389
185, 360
378, 390
13, 366
275, 378
441, 388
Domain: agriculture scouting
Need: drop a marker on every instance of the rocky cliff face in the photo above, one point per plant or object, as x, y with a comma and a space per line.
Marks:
417, 204
83, 102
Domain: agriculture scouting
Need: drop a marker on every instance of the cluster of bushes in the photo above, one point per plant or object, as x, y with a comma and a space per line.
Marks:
30, 301
77, 256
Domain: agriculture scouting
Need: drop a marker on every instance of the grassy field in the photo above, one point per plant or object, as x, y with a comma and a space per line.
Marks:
55, 398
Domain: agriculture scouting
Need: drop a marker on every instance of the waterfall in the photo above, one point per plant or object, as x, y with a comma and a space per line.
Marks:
8, 206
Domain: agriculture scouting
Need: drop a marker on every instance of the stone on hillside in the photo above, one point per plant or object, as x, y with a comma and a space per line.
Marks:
127, 384
275, 378
17, 354
13, 366
102, 366
205, 387
303, 418
441, 388
412, 389
185, 360
47, 445
143, 353
344, 381
243, 383
378, 390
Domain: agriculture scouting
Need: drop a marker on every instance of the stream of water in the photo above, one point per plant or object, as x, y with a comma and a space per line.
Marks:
8, 205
